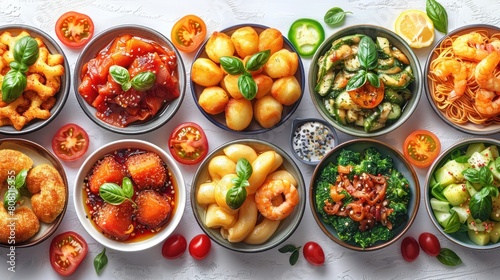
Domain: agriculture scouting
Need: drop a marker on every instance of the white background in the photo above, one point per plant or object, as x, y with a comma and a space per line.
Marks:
33, 263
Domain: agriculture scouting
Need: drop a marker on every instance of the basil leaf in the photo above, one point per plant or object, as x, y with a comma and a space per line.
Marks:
100, 261
462, 159
373, 79
287, 248
13, 85
244, 168
438, 15
256, 61
143, 81
452, 224
481, 204
235, 197
485, 176
356, 81
232, 65
367, 53
294, 257
21, 178
247, 86
127, 187
20, 67
26, 51
119, 74
335, 16
11, 197
448, 257
471, 175
112, 193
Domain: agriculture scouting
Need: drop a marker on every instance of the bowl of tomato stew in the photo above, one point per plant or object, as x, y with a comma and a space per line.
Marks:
130, 79
364, 195
129, 195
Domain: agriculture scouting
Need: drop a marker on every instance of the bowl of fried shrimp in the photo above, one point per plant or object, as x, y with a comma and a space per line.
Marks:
462, 84
248, 195
129, 195
47, 82
34, 186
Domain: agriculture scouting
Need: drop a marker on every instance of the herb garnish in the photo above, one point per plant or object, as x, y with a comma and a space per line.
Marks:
368, 58
335, 16
448, 257
13, 195
481, 203
437, 14
294, 257
100, 261
235, 196
114, 194
141, 82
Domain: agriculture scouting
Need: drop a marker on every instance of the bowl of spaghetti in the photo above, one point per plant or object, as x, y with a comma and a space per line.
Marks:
463, 79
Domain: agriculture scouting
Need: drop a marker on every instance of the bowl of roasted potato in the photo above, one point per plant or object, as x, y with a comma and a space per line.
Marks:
365, 80
248, 195
34, 189
247, 78
30, 99
130, 79
129, 195
461, 193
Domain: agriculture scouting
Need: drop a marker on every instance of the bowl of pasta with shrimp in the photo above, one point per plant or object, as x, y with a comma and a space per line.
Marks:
364, 195
463, 83
365, 80
248, 195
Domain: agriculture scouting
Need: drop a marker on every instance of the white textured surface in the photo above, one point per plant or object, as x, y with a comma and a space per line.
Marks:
32, 263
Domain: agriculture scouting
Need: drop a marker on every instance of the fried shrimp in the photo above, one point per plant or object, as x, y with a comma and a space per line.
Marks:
487, 102
268, 192
12, 161
485, 72
458, 71
49, 192
470, 46
23, 224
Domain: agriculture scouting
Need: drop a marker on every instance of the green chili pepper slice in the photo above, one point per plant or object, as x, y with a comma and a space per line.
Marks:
306, 35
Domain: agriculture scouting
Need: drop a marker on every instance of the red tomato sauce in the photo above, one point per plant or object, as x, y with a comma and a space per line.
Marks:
94, 202
121, 108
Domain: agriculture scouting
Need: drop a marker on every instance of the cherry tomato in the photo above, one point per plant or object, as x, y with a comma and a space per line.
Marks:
367, 96
199, 247
67, 250
74, 29
70, 142
410, 249
188, 33
421, 148
313, 253
174, 246
188, 143
429, 244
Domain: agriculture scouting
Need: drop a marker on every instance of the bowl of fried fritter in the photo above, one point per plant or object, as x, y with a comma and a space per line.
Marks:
130, 79
129, 195
35, 191
34, 87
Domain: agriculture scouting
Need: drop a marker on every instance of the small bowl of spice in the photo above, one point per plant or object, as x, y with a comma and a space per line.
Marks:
312, 139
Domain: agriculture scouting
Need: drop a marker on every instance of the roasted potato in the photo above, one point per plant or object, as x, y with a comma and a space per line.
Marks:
267, 111
246, 41
205, 72
281, 64
213, 100
264, 84
230, 84
286, 90
270, 39
219, 45
239, 113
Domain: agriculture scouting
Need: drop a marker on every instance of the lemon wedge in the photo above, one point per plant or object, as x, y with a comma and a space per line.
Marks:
416, 28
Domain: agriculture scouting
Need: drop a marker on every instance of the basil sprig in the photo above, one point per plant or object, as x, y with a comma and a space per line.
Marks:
14, 82
448, 257
141, 82
235, 66
114, 194
236, 195
13, 194
294, 257
437, 14
481, 203
100, 261
368, 59
335, 16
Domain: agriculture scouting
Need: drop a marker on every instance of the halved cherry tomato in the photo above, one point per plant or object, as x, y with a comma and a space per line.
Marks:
410, 249
421, 148
174, 246
67, 250
313, 253
74, 29
199, 247
188, 143
367, 96
70, 142
188, 33
429, 244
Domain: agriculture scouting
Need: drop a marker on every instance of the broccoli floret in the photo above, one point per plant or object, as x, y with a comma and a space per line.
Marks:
346, 228
397, 187
399, 214
329, 173
348, 157
373, 162
377, 233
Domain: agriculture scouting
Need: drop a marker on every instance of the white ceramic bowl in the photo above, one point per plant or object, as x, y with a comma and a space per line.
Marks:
88, 224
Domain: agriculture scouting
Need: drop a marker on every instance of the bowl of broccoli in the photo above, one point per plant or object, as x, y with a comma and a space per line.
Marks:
364, 194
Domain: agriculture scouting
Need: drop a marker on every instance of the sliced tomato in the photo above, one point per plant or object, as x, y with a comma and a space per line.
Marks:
188, 143
421, 148
67, 250
367, 96
188, 33
74, 29
70, 142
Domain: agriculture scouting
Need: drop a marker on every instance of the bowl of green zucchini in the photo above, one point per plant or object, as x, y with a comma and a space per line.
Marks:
461, 193
365, 80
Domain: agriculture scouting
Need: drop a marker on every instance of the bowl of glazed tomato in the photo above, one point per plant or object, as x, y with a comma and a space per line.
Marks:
129, 195
247, 78
129, 79
365, 80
